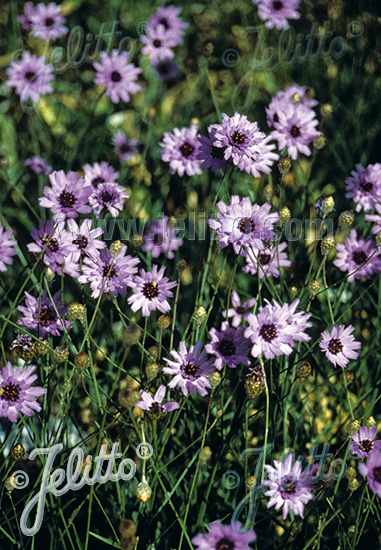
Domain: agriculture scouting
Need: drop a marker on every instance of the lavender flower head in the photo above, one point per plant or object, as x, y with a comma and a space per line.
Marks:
161, 238
225, 537
46, 21
238, 311
155, 410
288, 487
40, 315
191, 369
276, 13
108, 197
7, 248
293, 94
84, 239
107, 273
358, 257
169, 18
339, 345
38, 165
372, 471
212, 156
363, 442
266, 262
181, 151
125, 148
30, 76
25, 19
150, 291
229, 346
118, 75
166, 69
158, 44
99, 173
364, 186
67, 197
16, 392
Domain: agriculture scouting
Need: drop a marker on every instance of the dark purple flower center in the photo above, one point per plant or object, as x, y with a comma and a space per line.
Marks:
377, 474
163, 21
277, 5
186, 149
190, 369
238, 137
246, 225
125, 148
295, 131
218, 152
150, 290
10, 392
276, 118
264, 258
97, 181
225, 544
289, 486
240, 310
163, 68
53, 244
268, 332
109, 271
366, 185
158, 239
366, 445
335, 346
49, 21
30, 75
81, 241
226, 348
47, 315
359, 257
106, 196
116, 76
157, 43
156, 408
67, 200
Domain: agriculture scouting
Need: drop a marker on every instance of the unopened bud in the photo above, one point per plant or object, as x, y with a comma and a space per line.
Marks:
128, 398
313, 287
284, 214
17, 451
76, 311
61, 354
350, 473
346, 218
127, 528
371, 422
49, 275
250, 482
328, 205
354, 484
200, 315
327, 244
378, 239
255, 382
154, 352
163, 322
296, 98
116, 247
152, 370
181, 266
207, 48
143, 491
303, 369
205, 454
42, 347
215, 378
326, 110
293, 292
132, 334
82, 361
284, 165
319, 142
353, 427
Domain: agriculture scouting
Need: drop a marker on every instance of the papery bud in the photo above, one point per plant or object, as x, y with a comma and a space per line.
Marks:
82, 361
255, 382
17, 451
284, 214
327, 244
353, 427
200, 315
346, 218
76, 311
215, 378
116, 247
152, 370
319, 142
42, 347
61, 354
313, 287
328, 205
303, 369
163, 322
284, 165
143, 491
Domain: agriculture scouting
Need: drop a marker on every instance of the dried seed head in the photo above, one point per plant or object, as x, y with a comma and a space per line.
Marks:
250, 482
116, 247
313, 287
42, 347
132, 334
319, 142
327, 244
200, 315
353, 427
354, 484
255, 382
293, 292
371, 422
328, 205
181, 266
284, 165
207, 48
127, 528
128, 398
17, 451
82, 361
326, 110
303, 369
346, 218
284, 214
61, 354
76, 312
350, 473
143, 491
215, 378
154, 352
152, 370
25, 347
163, 322
205, 454
49, 275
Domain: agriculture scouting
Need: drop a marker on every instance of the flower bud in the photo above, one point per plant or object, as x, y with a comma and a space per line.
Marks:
163, 322
319, 142
127, 528
116, 247
378, 239
17, 451
328, 205
215, 378
207, 48
82, 361
296, 98
284, 214
132, 334
49, 275
76, 311
284, 165
200, 315
205, 454
255, 382
327, 244
42, 347
346, 218
61, 354
293, 292
143, 491
371, 422
326, 110
313, 287
353, 427
25, 347
354, 484
152, 370
303, 369
181, 266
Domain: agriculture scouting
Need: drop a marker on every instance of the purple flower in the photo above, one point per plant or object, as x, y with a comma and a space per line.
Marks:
288, 486
117, 75
364, 186
108, 273
125, 148
229, 346
168, 17
160, 238
181, 151
30, 76
275, 329
339, 345
363, 443
243, 224
276, 12
108, 197
99, 173
67, 196
150, 291
16, 394
358, 256
238, 311
376, 218
53, 240
295, 129
155, 410
166, 69
191, 369
84, 239
25, 19
158, 44
372, 471
293, 94
225, 537
212, 156
38, 165
267, 262
46, 21
41, 315
7, 249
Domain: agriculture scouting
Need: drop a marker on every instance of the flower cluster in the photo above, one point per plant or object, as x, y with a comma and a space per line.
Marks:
31, 77
117, 75
44, 21
276, 13
364, 187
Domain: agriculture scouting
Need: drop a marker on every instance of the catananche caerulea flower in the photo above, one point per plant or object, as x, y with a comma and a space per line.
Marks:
372, 471
358, 256
339, 345
118, 75
31, 77
125, 148
364, 186
153, 405
38, 165
276, 13
16, 392
84, 239
292, 94
181, 149
363, 442
158, 44
108, 197
191, 369
212, 156
25, 18
238, 311
376, 218
41, 315
229, 346
150, 291
7, 248
47, 22
67, 197
266, 262
169, 18
99, 173
161, 238
166, 69
225, 537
